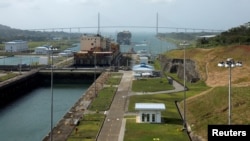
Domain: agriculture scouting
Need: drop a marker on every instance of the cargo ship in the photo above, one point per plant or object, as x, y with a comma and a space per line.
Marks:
124, 38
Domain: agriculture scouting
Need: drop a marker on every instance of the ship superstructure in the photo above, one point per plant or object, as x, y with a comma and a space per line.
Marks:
96, 50
124, 38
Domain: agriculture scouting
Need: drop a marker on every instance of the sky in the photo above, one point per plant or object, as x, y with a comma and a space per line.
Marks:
176, 15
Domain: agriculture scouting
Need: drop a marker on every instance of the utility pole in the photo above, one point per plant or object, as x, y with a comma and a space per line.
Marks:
98, 31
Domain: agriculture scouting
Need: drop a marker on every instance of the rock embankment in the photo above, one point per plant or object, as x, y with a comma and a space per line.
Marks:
175, 65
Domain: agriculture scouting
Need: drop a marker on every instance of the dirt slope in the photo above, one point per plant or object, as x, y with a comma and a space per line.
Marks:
207, 60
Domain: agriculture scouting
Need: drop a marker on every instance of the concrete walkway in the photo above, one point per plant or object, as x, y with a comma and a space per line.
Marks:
113, 122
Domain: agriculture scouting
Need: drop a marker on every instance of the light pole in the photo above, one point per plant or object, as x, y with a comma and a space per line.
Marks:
184, 44
229, 63
95, 72
20, 65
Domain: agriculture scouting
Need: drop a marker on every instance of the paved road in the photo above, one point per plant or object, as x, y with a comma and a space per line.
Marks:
113, 122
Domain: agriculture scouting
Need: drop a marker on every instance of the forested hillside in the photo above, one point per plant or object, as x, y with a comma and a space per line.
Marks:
237, 35
8, 34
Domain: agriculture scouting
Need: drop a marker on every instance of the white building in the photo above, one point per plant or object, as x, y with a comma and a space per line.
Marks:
46, 49
16, 46
142, 70
149, 112
41, 50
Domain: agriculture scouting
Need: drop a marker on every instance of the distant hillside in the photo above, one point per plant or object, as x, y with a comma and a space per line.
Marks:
8, 34
235, 35
3, 27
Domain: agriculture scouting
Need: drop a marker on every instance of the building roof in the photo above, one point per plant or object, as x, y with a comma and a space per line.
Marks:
150, 106
16, 41
206, 36
41, 47
143, 65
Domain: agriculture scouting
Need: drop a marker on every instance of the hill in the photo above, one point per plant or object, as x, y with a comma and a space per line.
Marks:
208, 59
7, 34
211, 106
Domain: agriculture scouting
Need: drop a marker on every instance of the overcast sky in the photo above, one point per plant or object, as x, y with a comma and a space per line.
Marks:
197, 14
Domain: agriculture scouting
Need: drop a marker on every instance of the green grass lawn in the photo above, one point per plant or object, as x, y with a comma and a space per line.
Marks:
88, 128
169, 129
114, 79
8, 76
151, 85
103, 100
149, 132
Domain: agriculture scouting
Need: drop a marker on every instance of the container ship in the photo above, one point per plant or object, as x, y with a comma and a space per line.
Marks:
124, 38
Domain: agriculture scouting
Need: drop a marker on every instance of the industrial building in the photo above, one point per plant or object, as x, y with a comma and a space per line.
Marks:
16, 46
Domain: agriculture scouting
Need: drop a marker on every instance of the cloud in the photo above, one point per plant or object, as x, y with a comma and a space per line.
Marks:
4, 4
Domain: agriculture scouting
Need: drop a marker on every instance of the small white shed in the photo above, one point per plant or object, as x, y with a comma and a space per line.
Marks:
149, 112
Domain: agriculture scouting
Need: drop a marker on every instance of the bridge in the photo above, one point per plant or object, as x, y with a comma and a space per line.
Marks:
172, 29
177, 29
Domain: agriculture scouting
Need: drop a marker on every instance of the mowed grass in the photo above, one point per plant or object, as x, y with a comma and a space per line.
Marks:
88, 128
8, 76
151, 85
149, 132
103, 100
114, 79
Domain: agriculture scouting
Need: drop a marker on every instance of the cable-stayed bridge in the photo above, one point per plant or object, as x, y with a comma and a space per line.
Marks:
156, 28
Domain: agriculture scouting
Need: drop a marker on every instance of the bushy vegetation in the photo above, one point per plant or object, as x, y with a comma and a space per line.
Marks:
237, 35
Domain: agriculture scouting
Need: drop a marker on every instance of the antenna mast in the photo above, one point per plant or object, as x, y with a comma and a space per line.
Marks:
98, 32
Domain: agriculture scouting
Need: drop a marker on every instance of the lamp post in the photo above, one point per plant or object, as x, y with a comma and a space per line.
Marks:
20, 66
184, 44
95, 72
229, 63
